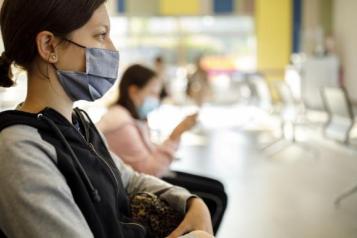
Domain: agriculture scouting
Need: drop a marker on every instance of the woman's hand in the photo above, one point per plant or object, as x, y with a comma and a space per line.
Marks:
185, 125
196, 219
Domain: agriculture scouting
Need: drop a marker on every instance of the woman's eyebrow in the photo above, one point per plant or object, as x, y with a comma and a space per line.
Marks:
106, 26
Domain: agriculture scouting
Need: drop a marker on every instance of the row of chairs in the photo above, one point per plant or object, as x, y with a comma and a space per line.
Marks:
336, 104
340, 124
290, 111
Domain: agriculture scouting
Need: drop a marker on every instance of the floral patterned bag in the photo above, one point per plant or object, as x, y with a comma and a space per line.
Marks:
154, 214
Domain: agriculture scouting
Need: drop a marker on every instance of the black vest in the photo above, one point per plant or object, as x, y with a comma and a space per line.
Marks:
90, 172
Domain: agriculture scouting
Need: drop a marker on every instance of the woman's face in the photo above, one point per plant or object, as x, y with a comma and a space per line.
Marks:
151, 89
94, 34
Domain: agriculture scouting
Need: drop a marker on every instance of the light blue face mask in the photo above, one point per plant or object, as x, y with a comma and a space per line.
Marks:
149, 105
101, 73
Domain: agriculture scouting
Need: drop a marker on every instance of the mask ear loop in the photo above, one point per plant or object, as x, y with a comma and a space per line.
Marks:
74, 43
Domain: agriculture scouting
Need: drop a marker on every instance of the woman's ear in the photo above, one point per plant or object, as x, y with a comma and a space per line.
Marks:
133, 91
134, 94
46, 46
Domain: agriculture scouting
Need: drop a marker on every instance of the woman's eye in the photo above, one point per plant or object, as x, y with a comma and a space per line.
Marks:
102, 36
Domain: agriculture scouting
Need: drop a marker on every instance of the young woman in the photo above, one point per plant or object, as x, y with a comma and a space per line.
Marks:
57, 177
128, 135
125, 125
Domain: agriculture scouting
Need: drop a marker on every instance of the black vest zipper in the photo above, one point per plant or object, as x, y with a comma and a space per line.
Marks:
82, 120
91, 147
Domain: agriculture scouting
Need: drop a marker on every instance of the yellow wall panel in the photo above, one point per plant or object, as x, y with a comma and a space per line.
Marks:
274, 38
274, 33
180, 7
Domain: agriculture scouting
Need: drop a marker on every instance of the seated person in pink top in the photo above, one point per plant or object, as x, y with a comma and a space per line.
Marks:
139, 95
128, 135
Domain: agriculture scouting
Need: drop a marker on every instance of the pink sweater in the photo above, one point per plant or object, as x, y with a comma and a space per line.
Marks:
130, 140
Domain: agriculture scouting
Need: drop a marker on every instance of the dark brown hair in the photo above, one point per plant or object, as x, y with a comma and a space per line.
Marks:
136, 75
22, 20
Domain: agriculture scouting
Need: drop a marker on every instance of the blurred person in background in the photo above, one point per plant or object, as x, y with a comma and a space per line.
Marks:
198, 86
127, 132
160, 69
125, 124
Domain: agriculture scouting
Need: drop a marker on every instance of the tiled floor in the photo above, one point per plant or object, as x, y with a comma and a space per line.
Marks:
288, 195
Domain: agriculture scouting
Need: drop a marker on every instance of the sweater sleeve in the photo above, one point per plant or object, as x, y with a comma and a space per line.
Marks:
135, 182
35, 200
130, 140
128, 143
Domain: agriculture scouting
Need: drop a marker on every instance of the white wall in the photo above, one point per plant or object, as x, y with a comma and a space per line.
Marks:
345, 29
112, 7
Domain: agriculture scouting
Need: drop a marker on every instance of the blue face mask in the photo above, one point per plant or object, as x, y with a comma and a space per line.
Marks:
101, 73
149, 105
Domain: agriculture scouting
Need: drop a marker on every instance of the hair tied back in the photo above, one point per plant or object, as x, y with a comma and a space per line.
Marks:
5, 71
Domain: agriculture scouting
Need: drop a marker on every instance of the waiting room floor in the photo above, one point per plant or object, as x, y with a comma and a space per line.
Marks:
285, 195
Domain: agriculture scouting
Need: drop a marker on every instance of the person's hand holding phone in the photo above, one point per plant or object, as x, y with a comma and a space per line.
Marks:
185, 125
